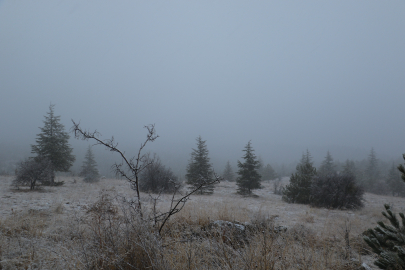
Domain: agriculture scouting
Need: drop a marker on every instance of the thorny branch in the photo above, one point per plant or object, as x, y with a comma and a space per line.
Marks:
178, 206
134, 165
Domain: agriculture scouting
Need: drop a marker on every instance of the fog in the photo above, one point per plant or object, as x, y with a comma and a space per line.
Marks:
287, 75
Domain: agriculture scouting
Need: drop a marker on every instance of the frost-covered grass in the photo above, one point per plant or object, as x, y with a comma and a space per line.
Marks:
74, 227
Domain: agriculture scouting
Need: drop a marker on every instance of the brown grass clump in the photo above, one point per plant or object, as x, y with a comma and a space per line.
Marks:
20, 235
264, 248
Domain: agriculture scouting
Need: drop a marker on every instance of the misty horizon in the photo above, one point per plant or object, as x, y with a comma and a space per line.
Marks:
289, 76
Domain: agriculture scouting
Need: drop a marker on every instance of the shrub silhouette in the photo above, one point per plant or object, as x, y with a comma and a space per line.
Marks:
33, 172
157, 178
336, 191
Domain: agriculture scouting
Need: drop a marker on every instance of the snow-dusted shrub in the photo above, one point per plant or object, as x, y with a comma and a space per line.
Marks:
32, 172
336, 191
157, 178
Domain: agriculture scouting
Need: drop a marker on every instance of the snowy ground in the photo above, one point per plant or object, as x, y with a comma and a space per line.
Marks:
74, 196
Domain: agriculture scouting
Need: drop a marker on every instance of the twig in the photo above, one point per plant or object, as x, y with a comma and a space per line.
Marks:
135, 165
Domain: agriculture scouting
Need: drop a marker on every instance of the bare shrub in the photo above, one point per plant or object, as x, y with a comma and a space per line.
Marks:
33, 172
156, 178
336, 191
116, 237
129, 168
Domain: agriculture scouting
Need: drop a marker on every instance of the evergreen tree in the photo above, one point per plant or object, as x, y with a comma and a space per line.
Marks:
349, 168
228, 173
336, 191
89, 170
299, 188
327, 166
199, 169
394, 182
268, 173
388, 241
372, 172
249, 178
52, 143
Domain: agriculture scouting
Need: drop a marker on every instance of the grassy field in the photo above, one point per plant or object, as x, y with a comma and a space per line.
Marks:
92, 226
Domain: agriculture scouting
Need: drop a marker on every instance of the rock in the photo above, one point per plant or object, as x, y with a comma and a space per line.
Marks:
231, 233
223, 223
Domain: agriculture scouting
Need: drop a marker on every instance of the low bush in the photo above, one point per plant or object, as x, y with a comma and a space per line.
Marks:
336, 191
156, 178
33, 172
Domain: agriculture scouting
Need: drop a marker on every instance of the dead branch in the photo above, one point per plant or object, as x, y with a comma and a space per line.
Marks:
178, 206
134, 165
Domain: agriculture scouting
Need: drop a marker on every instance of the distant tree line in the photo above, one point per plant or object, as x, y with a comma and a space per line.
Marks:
53, 153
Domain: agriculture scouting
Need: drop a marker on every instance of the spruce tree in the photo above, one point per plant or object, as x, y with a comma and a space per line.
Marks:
327, 167
336, 191
388, 241
350, 168
249, 177
394, 182
372, 172
268, 173
52, 143
228, 173
299, 188
199, 169
89, 170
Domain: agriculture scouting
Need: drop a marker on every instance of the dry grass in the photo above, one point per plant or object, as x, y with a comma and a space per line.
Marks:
88, 226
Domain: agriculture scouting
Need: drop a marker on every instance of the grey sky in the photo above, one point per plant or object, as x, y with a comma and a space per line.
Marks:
288, 75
